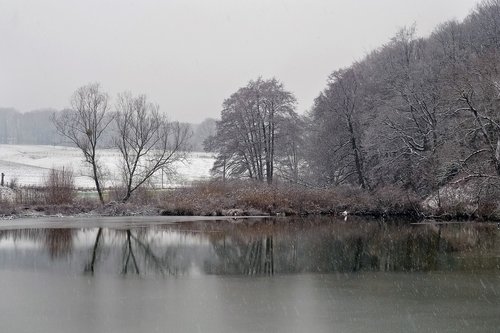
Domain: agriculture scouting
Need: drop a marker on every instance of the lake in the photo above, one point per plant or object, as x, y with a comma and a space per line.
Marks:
164, 274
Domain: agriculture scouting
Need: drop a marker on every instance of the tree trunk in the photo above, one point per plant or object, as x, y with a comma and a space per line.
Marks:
126, 197
91, 265
357, 156
497, 157
96, 180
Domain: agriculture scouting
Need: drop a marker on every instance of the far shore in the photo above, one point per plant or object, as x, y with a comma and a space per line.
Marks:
218, 200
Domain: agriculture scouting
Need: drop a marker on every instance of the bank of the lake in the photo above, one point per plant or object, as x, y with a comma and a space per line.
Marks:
245, 198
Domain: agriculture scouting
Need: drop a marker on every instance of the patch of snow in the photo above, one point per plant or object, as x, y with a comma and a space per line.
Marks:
30, 165
450, 195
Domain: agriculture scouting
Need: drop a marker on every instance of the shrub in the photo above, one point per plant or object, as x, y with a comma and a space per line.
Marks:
13, 184
60, 187
30, 195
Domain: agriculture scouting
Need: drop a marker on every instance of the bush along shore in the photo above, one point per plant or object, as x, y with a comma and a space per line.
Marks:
247, 198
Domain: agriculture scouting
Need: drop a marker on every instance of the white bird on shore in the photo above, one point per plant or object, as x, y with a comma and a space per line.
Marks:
344, 214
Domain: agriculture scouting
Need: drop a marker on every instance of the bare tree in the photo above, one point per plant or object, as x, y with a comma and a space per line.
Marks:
337, 152
474, 94
289, 149
478, 110
85, 124
412, 80
147, 141
417, 99
246, 137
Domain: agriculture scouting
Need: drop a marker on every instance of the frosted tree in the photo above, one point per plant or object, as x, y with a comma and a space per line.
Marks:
247, 134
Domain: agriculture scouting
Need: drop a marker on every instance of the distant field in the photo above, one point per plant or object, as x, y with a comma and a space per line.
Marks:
30, 165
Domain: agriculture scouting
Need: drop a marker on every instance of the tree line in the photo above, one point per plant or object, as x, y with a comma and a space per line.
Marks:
31, 128
36, 128
418, 113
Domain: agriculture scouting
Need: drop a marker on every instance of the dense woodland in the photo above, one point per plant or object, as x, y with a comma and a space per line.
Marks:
417, 113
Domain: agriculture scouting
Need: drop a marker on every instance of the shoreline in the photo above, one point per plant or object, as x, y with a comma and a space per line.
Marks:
245, 198
115, 222
32, 217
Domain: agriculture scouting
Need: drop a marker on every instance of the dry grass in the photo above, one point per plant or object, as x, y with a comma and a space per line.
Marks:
250, 198
6, 208
215, 198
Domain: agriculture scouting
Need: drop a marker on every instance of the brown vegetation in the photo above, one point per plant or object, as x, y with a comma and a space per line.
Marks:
255, 198
59, 187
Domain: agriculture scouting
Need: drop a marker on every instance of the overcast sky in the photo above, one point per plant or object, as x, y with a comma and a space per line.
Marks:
189, 55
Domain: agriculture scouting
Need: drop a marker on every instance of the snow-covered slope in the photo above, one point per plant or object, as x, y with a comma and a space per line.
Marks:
30, 164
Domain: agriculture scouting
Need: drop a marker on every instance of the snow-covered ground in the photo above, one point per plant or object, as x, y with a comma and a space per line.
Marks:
29, 165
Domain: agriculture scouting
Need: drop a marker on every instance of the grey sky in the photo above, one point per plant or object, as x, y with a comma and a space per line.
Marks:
189, 55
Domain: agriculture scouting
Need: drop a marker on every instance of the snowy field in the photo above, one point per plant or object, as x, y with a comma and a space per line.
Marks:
29, 165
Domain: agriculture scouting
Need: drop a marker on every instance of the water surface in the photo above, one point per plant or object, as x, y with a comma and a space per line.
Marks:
281, 275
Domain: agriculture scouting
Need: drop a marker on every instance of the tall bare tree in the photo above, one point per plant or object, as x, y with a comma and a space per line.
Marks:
337, 150
414, 103
147, 141
246, 136
85, 124
477, 110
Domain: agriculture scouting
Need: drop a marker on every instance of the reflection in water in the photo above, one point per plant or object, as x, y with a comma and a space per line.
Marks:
249, 256
59, 242
262, 247
81, 280
90, 266
129, 253
136, 255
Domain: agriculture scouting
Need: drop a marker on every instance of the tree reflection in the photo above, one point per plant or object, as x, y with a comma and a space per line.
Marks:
129, 253
260, 248
57, 242
137, 255
89, 268
261, 257
344, 247
241, 255
158, 263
